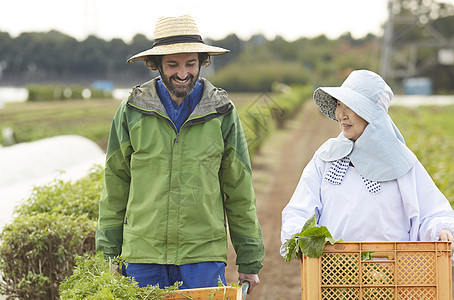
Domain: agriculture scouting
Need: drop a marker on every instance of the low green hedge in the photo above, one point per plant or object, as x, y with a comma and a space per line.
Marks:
37, 252
52, 227
66, 197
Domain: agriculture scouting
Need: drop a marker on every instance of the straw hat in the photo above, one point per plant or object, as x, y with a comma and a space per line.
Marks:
177, 35
362, 91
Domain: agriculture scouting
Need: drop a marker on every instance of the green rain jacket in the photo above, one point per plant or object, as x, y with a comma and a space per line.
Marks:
167, 197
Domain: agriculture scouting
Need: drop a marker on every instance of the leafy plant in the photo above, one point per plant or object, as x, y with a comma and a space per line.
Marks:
38, 251
66, 197
93, 279
310, 241
56, 223
366, 256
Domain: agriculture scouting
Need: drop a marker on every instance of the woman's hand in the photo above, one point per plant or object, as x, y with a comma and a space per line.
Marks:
446, 236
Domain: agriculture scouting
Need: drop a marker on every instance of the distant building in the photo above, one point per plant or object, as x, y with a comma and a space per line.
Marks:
418, 86
103, 85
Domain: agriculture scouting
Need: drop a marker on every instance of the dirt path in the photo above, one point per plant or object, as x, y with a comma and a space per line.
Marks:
276, 173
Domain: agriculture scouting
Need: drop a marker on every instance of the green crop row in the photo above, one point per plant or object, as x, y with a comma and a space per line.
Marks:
429, 133
39, 92
268, 112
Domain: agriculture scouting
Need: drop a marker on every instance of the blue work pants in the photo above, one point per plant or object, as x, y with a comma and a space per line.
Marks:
197, 275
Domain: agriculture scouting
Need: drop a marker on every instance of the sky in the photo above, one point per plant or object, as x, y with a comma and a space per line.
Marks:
290, 19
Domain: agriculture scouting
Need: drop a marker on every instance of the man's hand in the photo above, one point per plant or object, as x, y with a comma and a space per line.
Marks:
252, 278
446, 236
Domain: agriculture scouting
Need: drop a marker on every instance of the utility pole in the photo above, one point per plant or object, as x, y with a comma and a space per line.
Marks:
385, 60
400, 54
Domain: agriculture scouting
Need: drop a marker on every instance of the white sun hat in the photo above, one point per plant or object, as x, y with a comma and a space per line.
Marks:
177, 35
361, 91
380, 153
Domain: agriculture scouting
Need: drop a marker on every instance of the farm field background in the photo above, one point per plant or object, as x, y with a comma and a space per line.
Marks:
32, 121
428, 130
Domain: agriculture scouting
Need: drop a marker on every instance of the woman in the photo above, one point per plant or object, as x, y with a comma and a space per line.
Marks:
366, 185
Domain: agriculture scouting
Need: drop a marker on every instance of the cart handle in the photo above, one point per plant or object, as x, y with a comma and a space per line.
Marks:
244, 289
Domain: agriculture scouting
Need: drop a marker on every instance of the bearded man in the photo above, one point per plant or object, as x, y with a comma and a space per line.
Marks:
178, 174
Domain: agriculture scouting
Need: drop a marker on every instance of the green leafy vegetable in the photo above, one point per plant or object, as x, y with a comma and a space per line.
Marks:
366, 256
310, 241
93, 279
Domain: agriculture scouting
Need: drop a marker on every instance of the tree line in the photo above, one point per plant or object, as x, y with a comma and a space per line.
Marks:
252, 65
36, 57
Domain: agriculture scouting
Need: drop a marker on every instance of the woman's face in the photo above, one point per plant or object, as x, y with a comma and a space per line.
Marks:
351, 124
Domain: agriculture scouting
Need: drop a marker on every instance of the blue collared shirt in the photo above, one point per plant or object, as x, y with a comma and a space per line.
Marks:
179, 114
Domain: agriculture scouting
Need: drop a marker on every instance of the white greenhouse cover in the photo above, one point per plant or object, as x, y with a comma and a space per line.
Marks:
26, 165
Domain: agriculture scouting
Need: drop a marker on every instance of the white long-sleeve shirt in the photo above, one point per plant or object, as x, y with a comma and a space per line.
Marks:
410, 208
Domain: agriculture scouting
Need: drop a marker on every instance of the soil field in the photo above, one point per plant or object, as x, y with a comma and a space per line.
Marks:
276, 171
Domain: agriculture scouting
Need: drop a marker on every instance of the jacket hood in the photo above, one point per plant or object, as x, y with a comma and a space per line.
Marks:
145, 99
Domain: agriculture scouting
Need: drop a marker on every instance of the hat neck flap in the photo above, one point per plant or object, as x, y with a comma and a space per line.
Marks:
379, 154
335, 148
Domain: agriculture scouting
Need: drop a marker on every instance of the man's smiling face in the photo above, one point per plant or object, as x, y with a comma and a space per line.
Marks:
180, 73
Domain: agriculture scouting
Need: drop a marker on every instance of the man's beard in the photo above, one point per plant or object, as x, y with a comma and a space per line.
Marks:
178, 92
